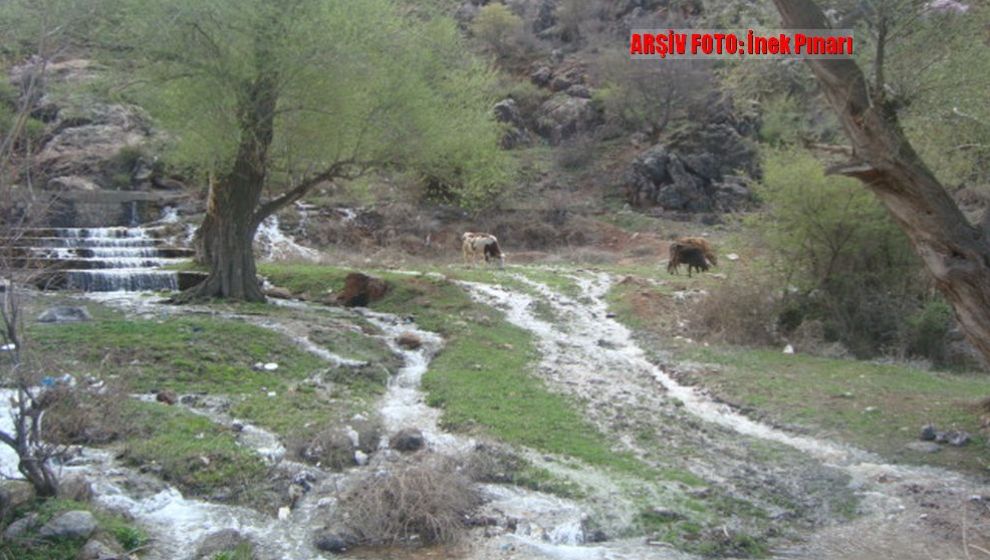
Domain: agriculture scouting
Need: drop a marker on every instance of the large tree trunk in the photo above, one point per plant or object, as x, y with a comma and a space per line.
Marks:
955, 252
226, 236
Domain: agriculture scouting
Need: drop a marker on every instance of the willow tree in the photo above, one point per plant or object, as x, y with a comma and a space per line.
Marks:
955, 252
274, 97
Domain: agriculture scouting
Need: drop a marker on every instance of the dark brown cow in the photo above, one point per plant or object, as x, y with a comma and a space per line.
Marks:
690, 255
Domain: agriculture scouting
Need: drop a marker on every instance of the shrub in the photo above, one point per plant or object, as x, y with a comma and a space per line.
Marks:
842, 263
744, 311
87, 417
425, 498
499, 29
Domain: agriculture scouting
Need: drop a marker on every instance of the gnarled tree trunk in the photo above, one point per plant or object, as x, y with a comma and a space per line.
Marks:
955, 252
226, 236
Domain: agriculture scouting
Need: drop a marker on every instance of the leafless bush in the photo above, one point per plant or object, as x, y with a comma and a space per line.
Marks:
330, 448
425, 499
489, 462
743, 311
86, 415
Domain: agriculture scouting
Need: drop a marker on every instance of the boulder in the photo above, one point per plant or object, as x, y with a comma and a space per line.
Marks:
409, 439
409, 341
17, 529
361, 289
563, 116
76, 488
77, 524
65, 314
334, 540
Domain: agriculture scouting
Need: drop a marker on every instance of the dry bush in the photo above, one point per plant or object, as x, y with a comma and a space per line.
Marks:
425, 499
494, 463
330, 448
743, 311
86, 416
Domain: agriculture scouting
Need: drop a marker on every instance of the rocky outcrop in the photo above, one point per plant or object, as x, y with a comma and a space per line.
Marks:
563, 116
506, 111
706, 168
88, 144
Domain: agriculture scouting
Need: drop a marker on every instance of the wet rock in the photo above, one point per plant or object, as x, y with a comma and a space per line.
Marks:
76, 524
361, 289
65, 314
225, 540
334, 541
409, 439
75, 488
924, 446
409, 341
167, 396
18, 528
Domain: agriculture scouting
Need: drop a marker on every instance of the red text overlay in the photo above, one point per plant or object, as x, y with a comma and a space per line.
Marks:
740, 43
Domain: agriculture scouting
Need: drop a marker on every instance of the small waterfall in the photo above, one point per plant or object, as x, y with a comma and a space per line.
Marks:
108, 259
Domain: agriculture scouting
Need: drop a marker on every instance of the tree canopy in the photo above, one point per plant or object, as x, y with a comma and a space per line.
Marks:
357, 84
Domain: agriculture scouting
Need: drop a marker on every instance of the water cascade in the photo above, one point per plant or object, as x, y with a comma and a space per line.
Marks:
101, 259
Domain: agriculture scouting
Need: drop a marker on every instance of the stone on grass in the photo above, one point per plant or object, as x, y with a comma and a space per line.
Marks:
77, 524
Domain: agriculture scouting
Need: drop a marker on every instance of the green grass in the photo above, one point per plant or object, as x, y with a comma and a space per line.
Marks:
211, 355
30, 547
185, 354
190, 451
483, 379
877, 407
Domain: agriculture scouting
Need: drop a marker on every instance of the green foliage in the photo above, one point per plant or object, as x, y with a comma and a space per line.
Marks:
936, 75
193, 453
498, 28
781, 121
852, 266
356, 81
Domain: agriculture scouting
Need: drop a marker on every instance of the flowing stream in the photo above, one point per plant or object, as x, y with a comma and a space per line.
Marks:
579, 348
